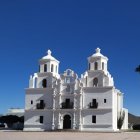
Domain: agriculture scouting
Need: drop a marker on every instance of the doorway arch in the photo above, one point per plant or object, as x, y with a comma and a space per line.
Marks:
67, 122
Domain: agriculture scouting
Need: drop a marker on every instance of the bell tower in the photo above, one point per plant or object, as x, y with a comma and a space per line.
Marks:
97, 61
97, 74
49, 64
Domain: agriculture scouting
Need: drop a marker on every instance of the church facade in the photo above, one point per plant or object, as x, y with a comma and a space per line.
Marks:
56, 101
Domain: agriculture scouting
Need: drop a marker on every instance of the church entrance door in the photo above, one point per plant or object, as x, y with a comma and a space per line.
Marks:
67, 122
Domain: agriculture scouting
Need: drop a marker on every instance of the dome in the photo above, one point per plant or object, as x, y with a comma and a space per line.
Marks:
98, 54
49, 57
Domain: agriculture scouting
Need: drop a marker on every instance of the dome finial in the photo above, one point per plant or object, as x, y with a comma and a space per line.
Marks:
98, 50
49, 52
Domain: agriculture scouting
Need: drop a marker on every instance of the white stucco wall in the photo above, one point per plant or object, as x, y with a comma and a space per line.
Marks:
82, 92
32, 120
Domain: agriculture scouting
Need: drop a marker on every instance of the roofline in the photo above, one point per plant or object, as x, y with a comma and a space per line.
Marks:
46, 60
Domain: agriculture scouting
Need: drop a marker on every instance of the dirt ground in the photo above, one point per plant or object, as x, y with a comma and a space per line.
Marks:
68, 136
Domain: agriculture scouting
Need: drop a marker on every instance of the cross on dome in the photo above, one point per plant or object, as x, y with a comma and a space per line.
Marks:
49, 57
98, 50
49, 52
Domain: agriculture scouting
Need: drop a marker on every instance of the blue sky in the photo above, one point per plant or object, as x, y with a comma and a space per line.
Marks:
72, 30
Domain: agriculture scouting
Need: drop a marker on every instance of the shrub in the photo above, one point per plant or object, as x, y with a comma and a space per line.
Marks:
136, 127
121, 119
11, 119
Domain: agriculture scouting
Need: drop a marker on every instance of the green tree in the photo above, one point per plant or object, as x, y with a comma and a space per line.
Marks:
10, 119
137, 69
121, 119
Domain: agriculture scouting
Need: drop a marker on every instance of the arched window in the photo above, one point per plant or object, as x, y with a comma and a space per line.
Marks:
44, 83
56, 69
68, 72
45, 68
103, 65
96, 66
89, 66
39, 68
68, 88
68, 80
51, 67
35, 82
86, 81
95, 82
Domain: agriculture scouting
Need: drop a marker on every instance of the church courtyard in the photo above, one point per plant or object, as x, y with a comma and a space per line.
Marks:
68, 136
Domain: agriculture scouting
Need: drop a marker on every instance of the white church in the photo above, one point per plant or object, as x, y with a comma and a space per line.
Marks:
56, 101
